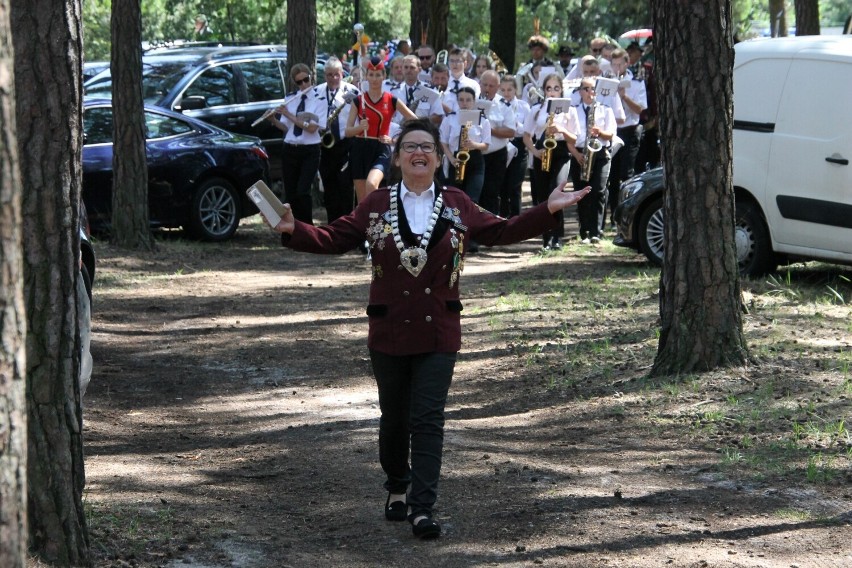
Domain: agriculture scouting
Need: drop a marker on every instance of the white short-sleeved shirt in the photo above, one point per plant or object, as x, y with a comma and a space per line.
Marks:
451, 129
316, 104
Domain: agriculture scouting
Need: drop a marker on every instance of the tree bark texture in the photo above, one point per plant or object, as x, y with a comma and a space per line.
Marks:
130, 220
302, 35
13, 423
699, 292
778, 18
503, 34
429, 23
48, 87
807, 17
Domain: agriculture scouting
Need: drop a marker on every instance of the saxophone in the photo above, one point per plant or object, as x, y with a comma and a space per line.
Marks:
463, 156
549, 144
593, 145
327, 139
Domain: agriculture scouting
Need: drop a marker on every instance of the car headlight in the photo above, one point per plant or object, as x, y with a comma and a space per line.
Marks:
630, 187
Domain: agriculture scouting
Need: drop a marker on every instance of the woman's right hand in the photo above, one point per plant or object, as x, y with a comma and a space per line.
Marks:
287, 224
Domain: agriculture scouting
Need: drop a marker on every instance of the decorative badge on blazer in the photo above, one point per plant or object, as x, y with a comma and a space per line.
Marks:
378, 229
452, 215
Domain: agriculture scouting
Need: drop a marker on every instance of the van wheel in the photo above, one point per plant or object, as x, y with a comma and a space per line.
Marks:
652, 232
215, 211
754, 250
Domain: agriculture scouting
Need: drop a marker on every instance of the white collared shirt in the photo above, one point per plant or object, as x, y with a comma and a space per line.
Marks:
418, 208
314, 104
501, 116
337, 100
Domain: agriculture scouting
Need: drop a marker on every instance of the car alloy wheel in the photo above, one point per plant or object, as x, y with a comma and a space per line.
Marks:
652, 226
215, 211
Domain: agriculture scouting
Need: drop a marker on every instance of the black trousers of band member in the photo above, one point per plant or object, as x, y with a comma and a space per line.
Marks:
590, 209
412, 395
495, 174
510, 191
300, 168
337, 182
622, 166
545, 183
649, 150
474, 175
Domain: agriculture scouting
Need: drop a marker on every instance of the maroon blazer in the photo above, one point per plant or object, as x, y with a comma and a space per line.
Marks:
410, 315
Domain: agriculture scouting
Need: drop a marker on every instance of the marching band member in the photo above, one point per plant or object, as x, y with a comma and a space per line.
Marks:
395, 77
440, 82
458, 79
369, 156
510, 191
538, 46
591, 213
495, 157
339, 192
426, 55
301, 141
407, 91
478, 137
634, 99
565, 54
561, 127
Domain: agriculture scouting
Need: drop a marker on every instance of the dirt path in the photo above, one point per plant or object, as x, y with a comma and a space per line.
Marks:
232, 421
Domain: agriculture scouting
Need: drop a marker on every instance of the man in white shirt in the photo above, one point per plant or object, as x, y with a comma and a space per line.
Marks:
634, 99
338, 188
407, 93
502, 121
426, 55
458, 79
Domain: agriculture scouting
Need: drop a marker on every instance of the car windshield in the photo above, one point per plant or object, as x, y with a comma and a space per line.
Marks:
158, 78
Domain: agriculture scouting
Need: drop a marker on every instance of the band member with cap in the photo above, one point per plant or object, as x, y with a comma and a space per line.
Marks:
369, 127
565, 54
591, 213
301, 120
418, 232
336, 175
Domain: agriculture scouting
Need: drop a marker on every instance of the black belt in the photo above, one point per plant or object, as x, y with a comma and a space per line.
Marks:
291, 145
627, 128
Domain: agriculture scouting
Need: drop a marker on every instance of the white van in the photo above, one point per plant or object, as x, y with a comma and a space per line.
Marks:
792, 147
793, 144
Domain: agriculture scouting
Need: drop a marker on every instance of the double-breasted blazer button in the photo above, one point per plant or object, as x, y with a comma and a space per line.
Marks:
399, 267
405, 292
407, 321
428, 319
428, 290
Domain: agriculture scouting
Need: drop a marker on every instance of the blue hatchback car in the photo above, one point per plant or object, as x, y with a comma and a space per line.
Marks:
197, 173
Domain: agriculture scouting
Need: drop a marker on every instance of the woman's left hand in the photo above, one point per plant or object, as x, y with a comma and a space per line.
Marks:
560, 199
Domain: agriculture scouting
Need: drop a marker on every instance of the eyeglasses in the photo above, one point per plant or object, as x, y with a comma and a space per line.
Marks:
422, 57
456, 61
597, 49
302, 80
425, 147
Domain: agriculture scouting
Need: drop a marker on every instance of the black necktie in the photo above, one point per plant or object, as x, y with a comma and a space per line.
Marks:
456, 88
334, 127
297, 130
507, 103
410, 97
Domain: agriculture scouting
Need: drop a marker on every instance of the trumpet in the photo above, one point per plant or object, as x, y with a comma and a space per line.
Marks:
271, 111
499, 66
549, 144
463, 156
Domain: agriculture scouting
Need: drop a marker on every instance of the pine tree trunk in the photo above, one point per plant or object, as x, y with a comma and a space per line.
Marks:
302, 34
419, 31
699, 291
130, 221
439, 15
807, 17
48, 69
13, 424
503, 35
778, 18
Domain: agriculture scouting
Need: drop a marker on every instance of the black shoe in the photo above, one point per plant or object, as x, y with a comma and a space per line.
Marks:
427, 528
396, 511
555, 243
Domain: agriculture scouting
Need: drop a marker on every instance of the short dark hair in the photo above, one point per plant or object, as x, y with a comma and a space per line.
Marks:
418, 125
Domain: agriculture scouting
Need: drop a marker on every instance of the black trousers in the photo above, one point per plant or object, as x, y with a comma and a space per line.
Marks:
495, 174
622, 165
301, 163
474, 175
545, 183
412, 395
590, 209
510, 191
337, 182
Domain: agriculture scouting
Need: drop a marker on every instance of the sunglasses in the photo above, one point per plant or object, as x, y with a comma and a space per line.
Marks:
424, 57
597, 50
302, 80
